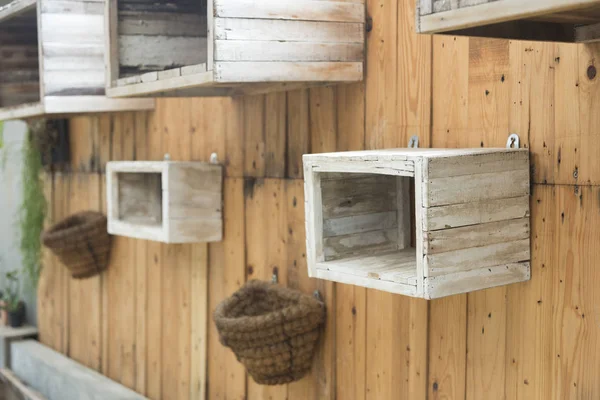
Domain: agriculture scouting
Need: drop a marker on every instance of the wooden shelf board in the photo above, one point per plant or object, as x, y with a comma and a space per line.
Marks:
63, 105
15, 8
398, 266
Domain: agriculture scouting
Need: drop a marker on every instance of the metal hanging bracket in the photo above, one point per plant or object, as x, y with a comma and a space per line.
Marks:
513, 141
413, 142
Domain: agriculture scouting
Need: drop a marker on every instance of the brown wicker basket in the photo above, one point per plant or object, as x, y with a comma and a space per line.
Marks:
272, 330
81, 242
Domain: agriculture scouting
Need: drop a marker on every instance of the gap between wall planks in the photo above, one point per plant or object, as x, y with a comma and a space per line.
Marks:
530, 340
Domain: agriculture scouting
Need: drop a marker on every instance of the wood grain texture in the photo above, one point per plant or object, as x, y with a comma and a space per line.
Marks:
550, 331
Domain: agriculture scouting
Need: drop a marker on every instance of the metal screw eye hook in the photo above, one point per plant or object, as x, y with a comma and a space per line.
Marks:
413, 142
214, 158
167, 157
513, 141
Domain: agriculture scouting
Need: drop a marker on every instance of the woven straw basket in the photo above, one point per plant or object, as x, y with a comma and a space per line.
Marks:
272, 330
81, 242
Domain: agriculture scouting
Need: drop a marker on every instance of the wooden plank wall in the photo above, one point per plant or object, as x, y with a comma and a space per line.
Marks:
141, 323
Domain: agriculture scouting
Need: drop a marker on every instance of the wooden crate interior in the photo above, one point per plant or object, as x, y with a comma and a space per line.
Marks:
19, 59
578, 24
160, 35
369, 226
140, 198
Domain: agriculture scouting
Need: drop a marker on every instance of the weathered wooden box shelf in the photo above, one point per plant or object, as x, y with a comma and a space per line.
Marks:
551, 20
165, 201
228, 47
420, 222
51, 60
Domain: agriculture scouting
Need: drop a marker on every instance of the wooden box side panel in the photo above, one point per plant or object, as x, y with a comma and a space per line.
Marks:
171, 36
449, 15
275, 41
360, 214
194, 201
476, 222
72, 45
19, 58
313, 208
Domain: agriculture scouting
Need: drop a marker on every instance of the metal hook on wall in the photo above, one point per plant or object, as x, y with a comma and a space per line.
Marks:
513, 141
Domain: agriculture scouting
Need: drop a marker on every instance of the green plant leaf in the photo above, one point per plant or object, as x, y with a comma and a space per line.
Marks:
33, 209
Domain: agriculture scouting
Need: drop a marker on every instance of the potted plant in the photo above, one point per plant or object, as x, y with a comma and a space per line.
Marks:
13, 306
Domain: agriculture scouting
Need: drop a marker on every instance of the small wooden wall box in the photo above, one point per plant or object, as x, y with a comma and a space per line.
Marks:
550, 20
52, 60
424, 223
165, 201
229, 47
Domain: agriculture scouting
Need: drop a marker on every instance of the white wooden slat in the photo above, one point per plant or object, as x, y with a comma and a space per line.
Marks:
149, 77
425, 7
111, 41
477, 164
397, 266
351, 197
477, 257
244, 50
379, 167
129, 80
61, 28
400, 154
456, 215
470, 188
359, 223
22, 111
93, 104
402, 216
495, 12
464, 282
360, 243
172, 84
73, 7
210, 31
301, 31
161, 51
314, 219
61, 82
16, 7
291, 10
168, 73
387, 286
229, 72
72, 50
74, 63
475, 235
193, 69
420, 171
161, 24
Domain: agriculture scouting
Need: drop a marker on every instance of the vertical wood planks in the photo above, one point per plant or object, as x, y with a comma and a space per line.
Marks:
85, 294
227, 273
265, 224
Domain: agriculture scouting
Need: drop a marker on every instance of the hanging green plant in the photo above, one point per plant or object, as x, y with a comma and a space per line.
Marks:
33, 208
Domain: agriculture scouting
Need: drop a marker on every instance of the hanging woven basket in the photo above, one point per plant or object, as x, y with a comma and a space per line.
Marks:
81, 242
272, 330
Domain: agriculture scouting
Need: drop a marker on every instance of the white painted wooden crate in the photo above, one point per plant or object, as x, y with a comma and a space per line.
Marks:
52, 60
165, 201
228, 47
551, 20
419, 222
